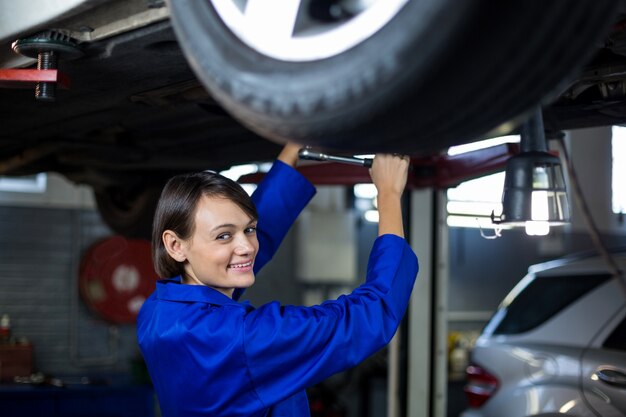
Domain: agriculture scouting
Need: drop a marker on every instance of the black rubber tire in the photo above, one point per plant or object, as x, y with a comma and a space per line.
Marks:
442, 72
129, 212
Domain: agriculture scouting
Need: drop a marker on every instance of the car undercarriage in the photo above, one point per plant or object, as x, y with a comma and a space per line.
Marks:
145, 101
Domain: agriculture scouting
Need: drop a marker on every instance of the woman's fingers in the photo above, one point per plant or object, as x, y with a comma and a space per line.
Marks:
389, 172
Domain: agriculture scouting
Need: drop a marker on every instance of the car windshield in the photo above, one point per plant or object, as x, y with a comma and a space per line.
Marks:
541, 299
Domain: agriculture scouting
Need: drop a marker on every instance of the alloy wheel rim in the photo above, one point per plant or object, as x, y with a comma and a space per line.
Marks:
305, 30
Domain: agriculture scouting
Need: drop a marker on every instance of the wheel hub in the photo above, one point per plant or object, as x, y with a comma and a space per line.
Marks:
305, 30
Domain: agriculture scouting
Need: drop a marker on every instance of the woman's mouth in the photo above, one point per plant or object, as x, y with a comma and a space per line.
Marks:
241, 267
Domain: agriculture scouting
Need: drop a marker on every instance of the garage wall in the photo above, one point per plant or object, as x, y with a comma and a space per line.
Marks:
53, 191
591, 154
275, 281
279, 279
43, 237
39, 255
483, 271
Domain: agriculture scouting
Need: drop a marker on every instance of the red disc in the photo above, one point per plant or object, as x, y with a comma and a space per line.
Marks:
116, 277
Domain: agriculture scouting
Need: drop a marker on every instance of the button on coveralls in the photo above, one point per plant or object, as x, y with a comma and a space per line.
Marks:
210, 355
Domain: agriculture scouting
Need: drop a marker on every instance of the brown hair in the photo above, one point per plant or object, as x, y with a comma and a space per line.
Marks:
176, 212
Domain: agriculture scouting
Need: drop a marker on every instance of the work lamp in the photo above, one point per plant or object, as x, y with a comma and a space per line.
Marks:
534, 195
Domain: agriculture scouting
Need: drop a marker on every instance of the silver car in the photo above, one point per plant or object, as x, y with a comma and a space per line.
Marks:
555, 346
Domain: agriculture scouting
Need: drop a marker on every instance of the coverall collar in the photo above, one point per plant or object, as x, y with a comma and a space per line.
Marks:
174, 290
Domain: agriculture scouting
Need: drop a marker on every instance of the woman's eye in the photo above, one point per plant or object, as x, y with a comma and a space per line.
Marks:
224, 236
251, 229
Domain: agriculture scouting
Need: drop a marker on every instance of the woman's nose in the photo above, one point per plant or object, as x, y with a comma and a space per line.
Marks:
244, 246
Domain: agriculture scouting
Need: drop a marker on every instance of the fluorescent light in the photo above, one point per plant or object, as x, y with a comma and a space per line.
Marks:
473, 208
239, 170
248, 188
371, 216
488, 143
618, 144
363, 204
487, 189
25, 184
472, 222
365, 191
539, 206
537, 228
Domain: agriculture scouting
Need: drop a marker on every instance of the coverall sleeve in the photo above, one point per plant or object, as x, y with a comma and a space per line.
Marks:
291, 348
279, 199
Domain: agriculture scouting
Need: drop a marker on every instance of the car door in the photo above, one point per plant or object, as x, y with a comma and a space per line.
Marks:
604, 369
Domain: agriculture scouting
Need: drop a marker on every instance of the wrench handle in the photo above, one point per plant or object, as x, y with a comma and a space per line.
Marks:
310, 155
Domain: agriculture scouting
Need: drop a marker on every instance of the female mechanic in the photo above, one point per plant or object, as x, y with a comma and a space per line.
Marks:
209, 354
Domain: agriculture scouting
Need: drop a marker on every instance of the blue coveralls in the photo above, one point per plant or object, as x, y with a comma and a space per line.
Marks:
210, 355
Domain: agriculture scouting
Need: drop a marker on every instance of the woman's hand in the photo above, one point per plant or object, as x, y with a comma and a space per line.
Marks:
289, 154
389, 174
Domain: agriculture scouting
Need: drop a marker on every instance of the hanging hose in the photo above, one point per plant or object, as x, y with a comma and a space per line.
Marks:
592, 229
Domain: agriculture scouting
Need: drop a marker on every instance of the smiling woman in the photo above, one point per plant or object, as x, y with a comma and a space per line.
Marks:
222, 246
236, 360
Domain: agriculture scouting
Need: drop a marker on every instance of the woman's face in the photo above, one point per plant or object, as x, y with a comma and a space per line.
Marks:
221, 251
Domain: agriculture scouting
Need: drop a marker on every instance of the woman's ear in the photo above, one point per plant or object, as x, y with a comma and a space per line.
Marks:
174, 246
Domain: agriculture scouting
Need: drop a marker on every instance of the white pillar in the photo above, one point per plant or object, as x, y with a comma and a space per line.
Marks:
590, 150
427, 336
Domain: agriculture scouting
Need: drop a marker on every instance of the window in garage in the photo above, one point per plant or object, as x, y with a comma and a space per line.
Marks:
27, 184
237, 171
365, 202
470, 203
619, 169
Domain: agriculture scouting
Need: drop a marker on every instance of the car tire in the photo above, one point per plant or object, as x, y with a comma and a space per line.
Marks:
128, 212
438, 73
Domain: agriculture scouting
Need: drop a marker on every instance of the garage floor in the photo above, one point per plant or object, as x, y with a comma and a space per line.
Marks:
456, 398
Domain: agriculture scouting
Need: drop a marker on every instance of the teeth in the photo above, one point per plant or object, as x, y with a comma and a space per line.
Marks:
247, 264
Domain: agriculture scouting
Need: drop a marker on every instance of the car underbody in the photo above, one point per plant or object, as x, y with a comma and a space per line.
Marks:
136, 112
